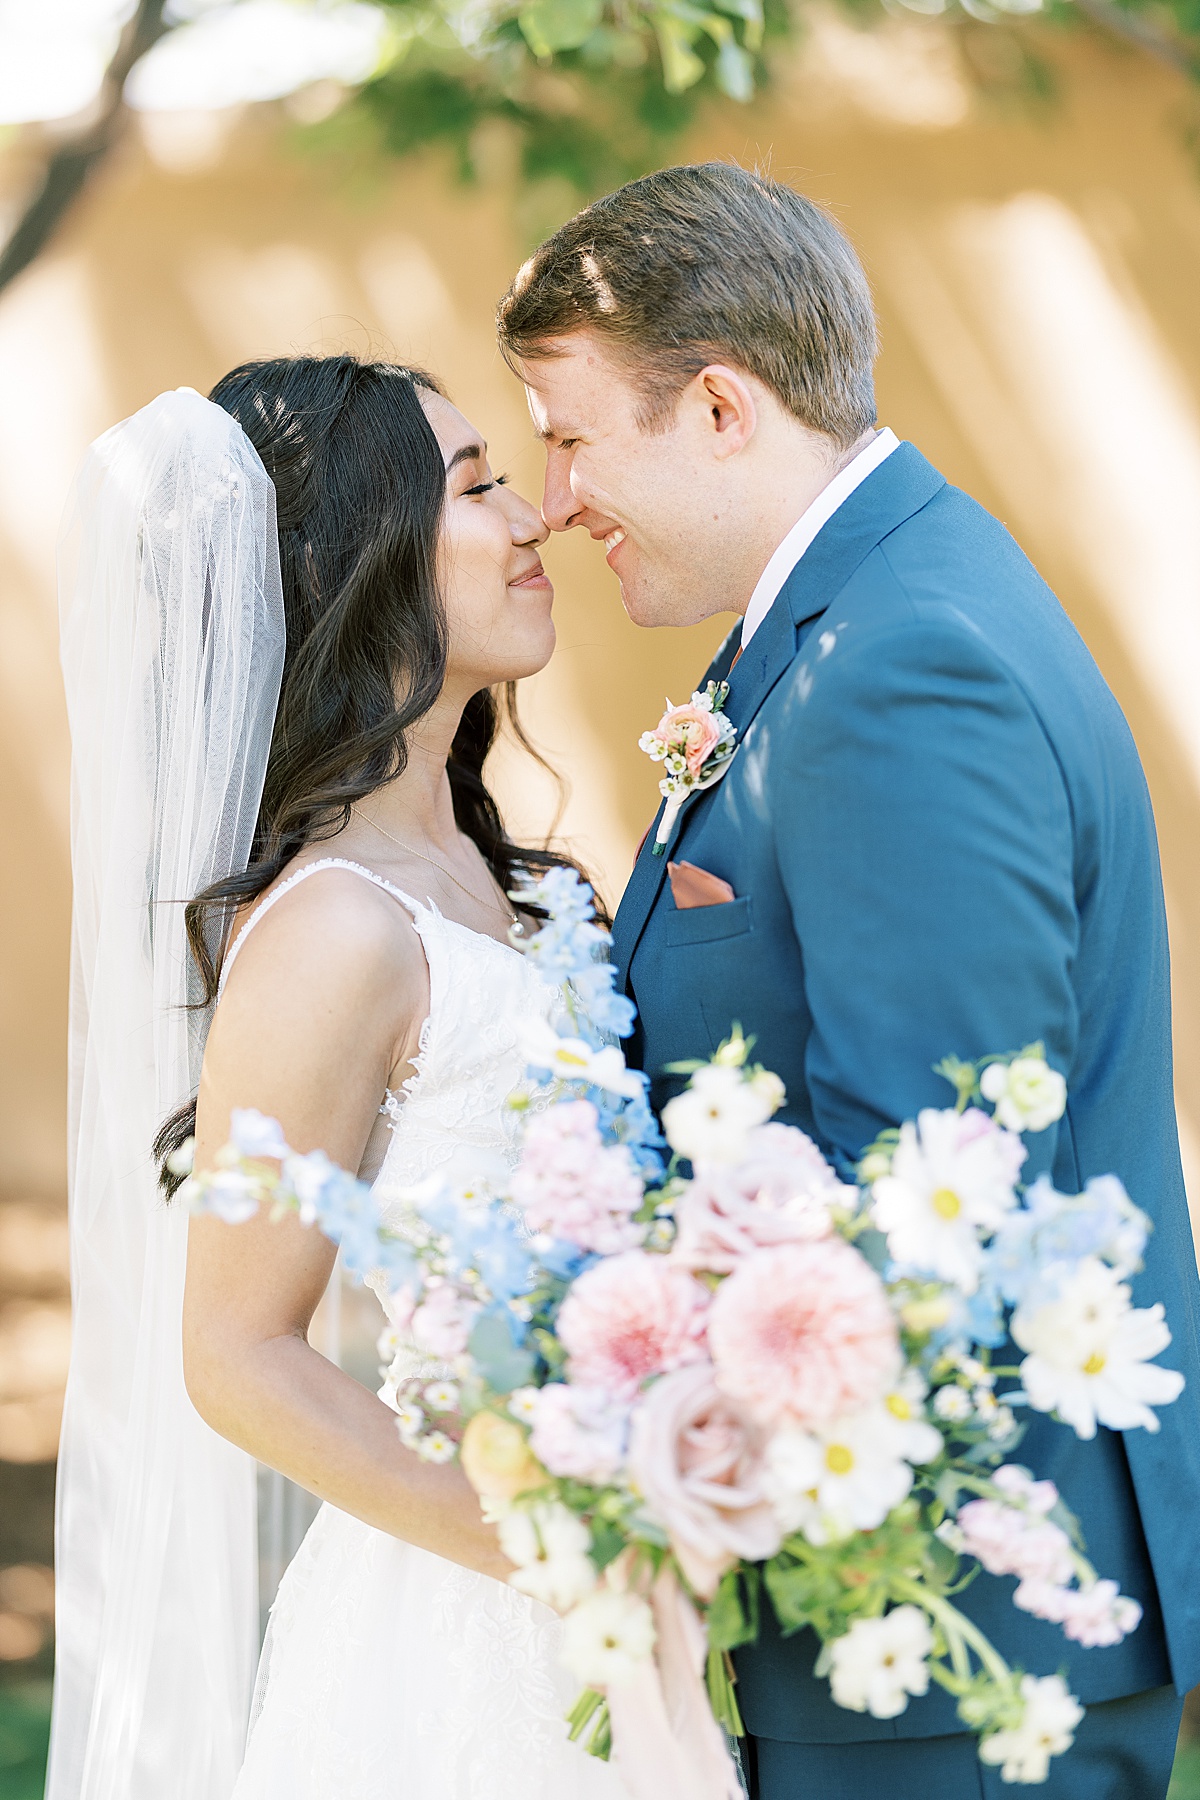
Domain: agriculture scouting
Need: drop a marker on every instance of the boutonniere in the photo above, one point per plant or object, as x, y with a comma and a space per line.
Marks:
694, 742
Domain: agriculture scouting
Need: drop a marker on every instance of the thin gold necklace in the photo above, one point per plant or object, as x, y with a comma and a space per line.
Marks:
516, 928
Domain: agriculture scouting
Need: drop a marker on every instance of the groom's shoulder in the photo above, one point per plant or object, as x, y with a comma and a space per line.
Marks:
954, 548
946, 603
952, 575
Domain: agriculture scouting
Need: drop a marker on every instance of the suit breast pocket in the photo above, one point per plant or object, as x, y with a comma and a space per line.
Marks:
709, 924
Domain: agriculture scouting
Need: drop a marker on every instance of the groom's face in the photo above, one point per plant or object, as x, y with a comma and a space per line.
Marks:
654, 498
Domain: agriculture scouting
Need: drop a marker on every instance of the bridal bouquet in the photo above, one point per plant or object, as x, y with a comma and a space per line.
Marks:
693, 1379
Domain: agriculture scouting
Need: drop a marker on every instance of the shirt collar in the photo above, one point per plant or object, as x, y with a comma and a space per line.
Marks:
819, 513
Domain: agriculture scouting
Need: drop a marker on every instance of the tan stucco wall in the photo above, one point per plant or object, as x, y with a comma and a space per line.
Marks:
1036, 277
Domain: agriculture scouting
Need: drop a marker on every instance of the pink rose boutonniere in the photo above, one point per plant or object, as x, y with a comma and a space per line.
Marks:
694, 742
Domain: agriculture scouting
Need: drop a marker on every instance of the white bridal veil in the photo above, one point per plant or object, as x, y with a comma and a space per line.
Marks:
172, 649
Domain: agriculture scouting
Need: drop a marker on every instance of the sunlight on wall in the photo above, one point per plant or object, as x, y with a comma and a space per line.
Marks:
1060, 381
276, 301
410, 297
55, 400
905, 71
1118, 423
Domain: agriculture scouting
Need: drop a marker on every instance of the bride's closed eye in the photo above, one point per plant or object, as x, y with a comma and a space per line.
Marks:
484, 487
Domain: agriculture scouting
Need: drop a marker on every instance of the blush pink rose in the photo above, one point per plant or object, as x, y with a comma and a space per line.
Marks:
695, 1456
629, 1317
780, 1192
803, 1332
691, 730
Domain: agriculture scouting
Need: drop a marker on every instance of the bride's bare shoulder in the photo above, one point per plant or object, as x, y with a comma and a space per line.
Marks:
323, 943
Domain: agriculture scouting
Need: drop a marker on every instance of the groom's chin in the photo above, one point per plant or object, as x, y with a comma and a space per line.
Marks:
658, 607
646, 606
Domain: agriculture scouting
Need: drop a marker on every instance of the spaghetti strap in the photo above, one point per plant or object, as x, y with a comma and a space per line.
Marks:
415, 907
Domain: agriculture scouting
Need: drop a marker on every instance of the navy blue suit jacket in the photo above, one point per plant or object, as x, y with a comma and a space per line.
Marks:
940, 839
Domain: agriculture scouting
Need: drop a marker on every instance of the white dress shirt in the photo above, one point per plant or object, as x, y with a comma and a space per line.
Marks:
798, 539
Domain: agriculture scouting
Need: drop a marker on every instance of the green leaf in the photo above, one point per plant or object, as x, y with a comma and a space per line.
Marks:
794, 1594
733, 1614
607, 1543
943, 1560
552, 25
503, 1364
735, 71
552, 1351
947, 1489
682, 68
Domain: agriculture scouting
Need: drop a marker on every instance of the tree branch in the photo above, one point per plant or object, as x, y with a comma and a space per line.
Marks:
68, 168
1136, 29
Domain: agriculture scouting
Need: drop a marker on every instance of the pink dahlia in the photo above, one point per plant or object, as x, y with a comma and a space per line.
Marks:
803, 1332
572, 1185
629, 1317
780, 1192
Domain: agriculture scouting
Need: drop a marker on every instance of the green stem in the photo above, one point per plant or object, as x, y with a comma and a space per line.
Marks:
957, 1627
954, 1684
721, 1696
584, 1708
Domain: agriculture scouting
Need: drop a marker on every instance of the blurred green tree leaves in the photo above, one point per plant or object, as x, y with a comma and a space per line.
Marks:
589, 92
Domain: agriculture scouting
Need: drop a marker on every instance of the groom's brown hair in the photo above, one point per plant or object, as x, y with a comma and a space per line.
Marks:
708, 263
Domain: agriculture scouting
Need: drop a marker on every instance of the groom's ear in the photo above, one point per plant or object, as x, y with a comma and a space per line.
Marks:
729, 411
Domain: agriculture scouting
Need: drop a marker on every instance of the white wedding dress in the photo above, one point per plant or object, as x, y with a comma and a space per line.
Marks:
387, 1672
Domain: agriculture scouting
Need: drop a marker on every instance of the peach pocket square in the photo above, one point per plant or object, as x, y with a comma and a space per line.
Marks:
696, 887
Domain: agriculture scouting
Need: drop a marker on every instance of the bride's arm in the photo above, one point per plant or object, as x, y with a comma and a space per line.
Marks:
327, 997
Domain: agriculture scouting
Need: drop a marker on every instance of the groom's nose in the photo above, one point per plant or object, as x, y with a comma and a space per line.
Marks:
560, 507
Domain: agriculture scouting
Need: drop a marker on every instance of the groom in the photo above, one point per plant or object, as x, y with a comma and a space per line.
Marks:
934, 837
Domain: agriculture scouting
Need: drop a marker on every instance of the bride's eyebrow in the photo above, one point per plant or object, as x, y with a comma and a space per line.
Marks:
468, 453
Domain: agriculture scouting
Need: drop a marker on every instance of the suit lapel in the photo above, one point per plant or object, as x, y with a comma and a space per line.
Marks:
894, 491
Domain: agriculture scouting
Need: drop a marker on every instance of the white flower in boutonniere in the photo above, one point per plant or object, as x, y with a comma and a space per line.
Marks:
694, 742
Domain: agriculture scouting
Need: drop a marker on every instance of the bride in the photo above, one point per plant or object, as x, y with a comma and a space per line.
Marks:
286, 615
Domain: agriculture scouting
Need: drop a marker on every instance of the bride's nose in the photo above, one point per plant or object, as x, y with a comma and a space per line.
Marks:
524, 521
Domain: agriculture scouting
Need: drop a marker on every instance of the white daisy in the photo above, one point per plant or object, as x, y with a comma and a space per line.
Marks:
1089, 1354
607, 1638
849, 1474
879, 1662
710, 1120
1047, 1729
953, 1179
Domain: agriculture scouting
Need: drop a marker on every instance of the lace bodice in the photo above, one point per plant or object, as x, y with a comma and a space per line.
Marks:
469, 1061
469, 1058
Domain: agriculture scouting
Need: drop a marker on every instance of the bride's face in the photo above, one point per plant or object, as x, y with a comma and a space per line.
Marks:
496, 594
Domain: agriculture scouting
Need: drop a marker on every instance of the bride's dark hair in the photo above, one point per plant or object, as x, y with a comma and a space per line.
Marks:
359, 487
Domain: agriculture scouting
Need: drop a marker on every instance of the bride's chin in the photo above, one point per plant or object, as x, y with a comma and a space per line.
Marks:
529, 661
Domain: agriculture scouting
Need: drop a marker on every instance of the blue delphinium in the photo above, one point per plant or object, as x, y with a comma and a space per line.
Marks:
571, 951
1040, 1242
347, 1212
